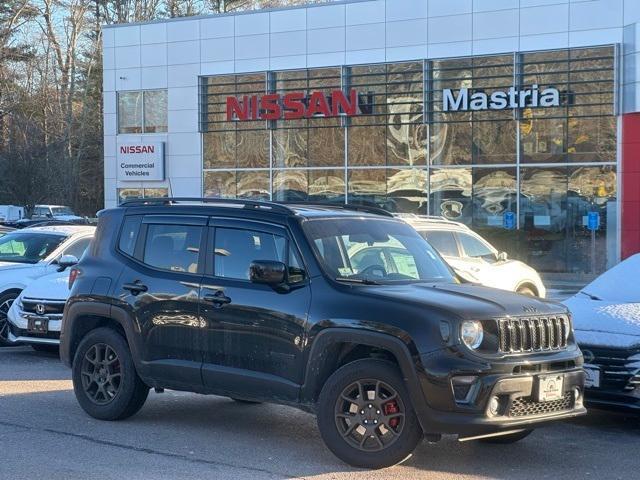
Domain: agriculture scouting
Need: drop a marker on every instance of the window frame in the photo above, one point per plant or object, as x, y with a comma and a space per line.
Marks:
216, 223
142, 117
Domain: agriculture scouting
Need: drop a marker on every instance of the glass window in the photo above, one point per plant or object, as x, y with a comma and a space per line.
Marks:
253, 184
326, 185
374, 251
219, 149
235, 249
77, 248
290, 147
444, 242
129, 193
129, 234
155, 111
368, 185
475, 248
407, 190
220, 184
451, 193
290, 185
156, 192
142, 111
252, 148
26, 247
173, 247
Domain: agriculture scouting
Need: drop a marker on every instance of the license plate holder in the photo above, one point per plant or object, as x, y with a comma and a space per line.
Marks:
38, 324
550, 388
592, 376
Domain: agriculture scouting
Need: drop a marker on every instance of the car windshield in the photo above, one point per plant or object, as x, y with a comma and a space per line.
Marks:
62, 211
28, 247
374, 251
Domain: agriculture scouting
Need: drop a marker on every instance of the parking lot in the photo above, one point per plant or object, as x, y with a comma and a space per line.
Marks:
43, 433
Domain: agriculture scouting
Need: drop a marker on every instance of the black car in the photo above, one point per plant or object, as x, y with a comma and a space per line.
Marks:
341, 311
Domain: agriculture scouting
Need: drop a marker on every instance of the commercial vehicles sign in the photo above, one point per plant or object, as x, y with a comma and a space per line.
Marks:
140, 161
293, 105
463, 100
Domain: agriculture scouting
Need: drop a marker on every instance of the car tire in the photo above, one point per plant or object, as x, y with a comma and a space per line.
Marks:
395, 432
507, 439
245, 402
6, 300
528, 291
105, 380
43, 347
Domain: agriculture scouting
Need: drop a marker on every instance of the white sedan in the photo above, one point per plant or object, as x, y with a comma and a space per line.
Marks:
31, 253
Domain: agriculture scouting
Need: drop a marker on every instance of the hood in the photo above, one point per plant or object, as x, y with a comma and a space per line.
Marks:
467, 301
603, 323
617, 284
5, 266
67, 218
54, 286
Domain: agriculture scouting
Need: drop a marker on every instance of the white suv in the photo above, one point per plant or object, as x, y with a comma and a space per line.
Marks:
31, 253
475, 259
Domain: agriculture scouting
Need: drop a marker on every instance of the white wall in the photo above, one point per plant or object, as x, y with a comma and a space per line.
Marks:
173, 54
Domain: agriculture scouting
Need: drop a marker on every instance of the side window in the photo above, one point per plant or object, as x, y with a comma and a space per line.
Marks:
173, 247
296, 267
474, 247
129, 235
443, 242
235, 249
77, 249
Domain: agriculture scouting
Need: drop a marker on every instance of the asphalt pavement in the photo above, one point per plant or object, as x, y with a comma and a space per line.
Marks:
45, 434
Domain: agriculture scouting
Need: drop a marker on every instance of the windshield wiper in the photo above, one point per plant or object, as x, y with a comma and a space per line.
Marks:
363, 281
592, 297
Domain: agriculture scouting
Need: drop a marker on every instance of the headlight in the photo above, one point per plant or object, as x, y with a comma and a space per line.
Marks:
471, 333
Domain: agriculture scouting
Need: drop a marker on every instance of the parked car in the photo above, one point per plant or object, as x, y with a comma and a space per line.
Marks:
48, 213
35, 317
475, 259
31, 253
4, 230
260, 301
606, 314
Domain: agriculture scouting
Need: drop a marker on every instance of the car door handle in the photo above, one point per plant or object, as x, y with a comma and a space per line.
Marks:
218, 298
135, 288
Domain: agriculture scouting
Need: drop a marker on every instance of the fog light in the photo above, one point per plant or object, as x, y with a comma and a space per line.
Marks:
494, 406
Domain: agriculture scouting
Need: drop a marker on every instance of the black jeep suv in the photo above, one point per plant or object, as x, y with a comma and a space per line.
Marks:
342, 311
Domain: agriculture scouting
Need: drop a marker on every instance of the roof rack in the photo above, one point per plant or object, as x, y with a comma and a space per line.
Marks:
429, 218
355, 207
234, 202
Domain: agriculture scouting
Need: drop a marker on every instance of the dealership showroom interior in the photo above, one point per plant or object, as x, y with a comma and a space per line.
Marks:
383, 238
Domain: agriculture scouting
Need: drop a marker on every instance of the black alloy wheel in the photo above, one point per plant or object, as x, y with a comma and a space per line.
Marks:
369, 415
101, 374
5, 304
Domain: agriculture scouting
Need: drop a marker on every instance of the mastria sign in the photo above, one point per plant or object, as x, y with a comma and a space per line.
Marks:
500, 100
291, 106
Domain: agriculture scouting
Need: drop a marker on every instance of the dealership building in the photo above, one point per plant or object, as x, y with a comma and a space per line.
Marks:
518, 118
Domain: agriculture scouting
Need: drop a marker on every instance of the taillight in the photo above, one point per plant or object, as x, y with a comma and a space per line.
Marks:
74, 273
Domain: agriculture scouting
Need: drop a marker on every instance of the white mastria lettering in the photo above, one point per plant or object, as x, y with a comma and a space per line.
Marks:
499, 100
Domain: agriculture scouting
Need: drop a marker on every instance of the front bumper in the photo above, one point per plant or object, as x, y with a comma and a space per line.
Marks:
19, 333
512, 381
613, 400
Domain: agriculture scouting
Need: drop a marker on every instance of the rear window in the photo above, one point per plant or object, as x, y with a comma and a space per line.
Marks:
129, 234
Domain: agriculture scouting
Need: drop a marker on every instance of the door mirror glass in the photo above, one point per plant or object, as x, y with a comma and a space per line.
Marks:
502, 257
66, 261
267, 272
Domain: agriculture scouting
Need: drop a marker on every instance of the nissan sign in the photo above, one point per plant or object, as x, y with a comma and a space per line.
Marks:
140, 161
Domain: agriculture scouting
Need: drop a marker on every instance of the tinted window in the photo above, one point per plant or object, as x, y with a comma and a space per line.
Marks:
474, 247
173, 247
129, 235
25, 247
443, 242
235, 250
77, 248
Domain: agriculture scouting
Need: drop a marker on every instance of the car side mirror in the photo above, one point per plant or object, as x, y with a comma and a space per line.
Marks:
502, 257
267, 272
66, 261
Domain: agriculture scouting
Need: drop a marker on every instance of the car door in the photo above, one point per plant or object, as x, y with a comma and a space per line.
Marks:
255, 333
160, 285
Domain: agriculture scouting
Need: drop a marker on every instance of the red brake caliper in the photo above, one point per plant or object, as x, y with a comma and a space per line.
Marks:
389, 409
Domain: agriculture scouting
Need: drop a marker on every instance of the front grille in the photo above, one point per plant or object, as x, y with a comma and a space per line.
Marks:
527, 406
533, 334
619, 368
51, 307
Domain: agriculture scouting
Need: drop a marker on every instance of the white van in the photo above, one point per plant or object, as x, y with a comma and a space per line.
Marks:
11, 213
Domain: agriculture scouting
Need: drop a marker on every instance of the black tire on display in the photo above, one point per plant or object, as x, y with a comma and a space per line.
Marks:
365, 415
105, 380
507, 439
6, 300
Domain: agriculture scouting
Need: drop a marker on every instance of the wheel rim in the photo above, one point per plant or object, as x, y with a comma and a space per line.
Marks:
4, 322
101, 374
370, 415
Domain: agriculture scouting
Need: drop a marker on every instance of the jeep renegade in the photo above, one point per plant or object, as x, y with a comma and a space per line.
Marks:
342, 311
